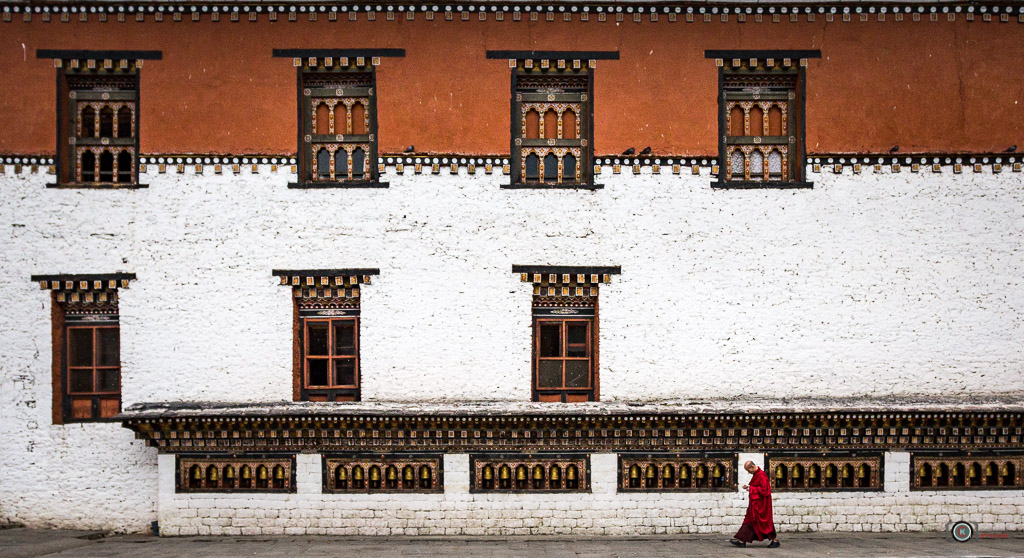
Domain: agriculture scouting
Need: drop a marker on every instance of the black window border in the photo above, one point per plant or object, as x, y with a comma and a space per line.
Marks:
588, 183
62, 92
801, 183
302, 183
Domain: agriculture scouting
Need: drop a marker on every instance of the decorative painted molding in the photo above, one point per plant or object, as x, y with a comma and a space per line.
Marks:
956, 163
689, 12
551, 427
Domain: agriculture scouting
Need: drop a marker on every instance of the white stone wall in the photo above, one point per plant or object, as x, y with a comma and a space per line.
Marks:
874, 284
602, 512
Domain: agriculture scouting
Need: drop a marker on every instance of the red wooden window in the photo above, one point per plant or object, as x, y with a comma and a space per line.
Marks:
564, 365
330, 359
92, 383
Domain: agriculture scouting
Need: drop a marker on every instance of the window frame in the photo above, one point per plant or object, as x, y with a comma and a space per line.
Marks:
565, 393
70, 142
585, 138
95, 395
307, 159
796, 155
97, 63
331, 390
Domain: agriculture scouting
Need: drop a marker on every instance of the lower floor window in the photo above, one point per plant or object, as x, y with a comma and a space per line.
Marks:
564, 364
331, 359
93, 372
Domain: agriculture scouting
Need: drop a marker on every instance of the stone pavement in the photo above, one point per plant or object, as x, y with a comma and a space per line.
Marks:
23, 543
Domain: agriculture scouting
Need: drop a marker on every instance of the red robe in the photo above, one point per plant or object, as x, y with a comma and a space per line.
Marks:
758, 522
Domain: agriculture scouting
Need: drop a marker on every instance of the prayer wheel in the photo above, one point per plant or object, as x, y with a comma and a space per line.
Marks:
229, 473
196, 473
555, 474
488, 473
520, 473
538, 473
278, 472
261, 473
213, 475
392, 473
571, 473
374, 474
634, 472
246, 473
425, 473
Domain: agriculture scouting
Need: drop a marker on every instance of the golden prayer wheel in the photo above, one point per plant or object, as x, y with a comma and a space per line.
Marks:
538, 473
229, 472
246, 473
425, 473
862, 472
392, 473
407, 474
520, 473
571, 473
974, 472
666, 472
717, 471
374, 474
1006, 469
780, 473
830, 472
357, 473
279, 472
684, 473
846, 472
990, 471
700, 472
634, 472
196, 473
213, 474
505, 473
814, 473
488, 473
650, 473
261, 473
342, 473
555, 474
922, 471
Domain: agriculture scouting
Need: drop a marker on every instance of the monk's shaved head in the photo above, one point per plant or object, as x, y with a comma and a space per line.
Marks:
750, 466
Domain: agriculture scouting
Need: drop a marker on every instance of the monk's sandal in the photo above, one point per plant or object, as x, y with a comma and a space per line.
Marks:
735, 542
774, 544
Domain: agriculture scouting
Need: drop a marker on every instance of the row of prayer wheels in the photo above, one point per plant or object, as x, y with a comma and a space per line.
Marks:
228, 477
537, 477
357, 478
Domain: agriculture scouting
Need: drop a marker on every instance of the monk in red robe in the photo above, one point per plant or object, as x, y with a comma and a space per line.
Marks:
758, 522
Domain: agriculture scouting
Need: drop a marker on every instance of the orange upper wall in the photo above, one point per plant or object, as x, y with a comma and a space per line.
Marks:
927, 86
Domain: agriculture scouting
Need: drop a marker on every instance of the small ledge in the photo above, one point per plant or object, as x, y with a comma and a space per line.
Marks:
97, 186
529, 186
762, 185
345, 184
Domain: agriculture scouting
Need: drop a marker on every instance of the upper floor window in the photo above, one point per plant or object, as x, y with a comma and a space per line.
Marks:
761, 124
338, 116
86, 345
98, 116
326, 345
565, 331
552, 119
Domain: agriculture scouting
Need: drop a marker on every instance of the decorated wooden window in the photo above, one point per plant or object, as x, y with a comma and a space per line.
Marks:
375, 473
529, 473
86, 345
676, 473
974, 471
552, 117
235, 474
337, 116
326, 351
565, 331
761, 123
98, 116
824, 472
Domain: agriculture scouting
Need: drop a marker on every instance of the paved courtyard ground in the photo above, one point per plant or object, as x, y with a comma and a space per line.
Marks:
23, 543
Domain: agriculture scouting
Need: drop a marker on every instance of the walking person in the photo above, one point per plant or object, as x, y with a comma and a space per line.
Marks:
757, 524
